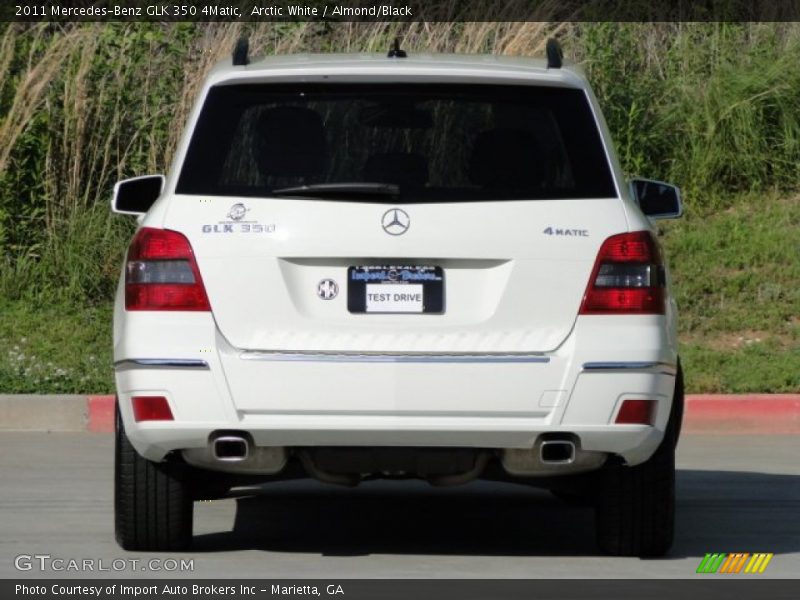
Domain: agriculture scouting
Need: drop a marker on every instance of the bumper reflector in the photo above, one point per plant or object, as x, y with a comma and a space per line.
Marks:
151, 408
637, 412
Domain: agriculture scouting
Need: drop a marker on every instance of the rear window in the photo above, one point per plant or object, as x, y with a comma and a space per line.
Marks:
409, 143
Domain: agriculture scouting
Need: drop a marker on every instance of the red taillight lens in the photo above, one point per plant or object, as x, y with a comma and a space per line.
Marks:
628, 277
628, 301
151, 408
162, 274
637, 412
633, 247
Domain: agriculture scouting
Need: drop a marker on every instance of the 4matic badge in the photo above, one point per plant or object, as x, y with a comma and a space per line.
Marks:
569, 232
236, 224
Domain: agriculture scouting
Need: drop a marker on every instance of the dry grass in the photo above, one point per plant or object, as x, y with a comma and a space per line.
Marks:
115, 117
31, 89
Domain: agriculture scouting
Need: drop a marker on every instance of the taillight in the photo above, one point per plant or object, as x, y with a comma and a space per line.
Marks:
162, 274
628, 277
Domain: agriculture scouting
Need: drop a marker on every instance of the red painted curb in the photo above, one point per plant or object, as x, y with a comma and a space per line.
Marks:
100, 413
745, 414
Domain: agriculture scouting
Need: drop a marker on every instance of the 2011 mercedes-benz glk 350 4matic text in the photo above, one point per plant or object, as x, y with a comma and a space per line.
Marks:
363, 266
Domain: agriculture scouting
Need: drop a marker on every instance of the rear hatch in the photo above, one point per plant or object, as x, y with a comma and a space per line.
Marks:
411, 218
508, 286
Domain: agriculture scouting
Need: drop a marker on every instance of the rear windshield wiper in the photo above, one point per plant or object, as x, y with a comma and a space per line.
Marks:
334, 190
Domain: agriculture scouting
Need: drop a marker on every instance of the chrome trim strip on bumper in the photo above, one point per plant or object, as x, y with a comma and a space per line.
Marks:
663, 367
174, 363
392, 358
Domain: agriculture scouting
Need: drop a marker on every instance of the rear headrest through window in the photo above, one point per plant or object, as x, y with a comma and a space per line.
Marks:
291, 142
506, 158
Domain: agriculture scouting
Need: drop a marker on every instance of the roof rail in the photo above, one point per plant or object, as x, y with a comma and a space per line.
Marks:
555, 55
395, 51
240, 50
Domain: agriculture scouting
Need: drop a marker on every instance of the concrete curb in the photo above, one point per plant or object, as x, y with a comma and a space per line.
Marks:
746, 414
35, 412
760, 414
100, 413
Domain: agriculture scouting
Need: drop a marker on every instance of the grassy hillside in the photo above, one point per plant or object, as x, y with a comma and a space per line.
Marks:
712, 107
737, 278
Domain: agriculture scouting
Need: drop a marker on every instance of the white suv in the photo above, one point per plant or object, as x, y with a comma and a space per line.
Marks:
364, 266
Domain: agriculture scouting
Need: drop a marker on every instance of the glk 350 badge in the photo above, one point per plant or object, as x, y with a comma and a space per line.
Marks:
236, 224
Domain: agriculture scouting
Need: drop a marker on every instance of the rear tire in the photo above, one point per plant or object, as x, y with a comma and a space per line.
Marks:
635, 511
153, 507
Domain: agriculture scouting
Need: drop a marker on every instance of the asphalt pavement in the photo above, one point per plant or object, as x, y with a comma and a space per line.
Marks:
735, 494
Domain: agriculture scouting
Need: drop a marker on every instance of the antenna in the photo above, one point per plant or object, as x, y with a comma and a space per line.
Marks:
240, 50
395, 51
555, 55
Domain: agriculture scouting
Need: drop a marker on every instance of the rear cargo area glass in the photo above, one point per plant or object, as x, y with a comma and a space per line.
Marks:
427, 143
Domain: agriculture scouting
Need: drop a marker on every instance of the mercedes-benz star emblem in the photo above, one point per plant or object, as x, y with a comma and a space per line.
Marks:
327, 289
395, 221
237, 212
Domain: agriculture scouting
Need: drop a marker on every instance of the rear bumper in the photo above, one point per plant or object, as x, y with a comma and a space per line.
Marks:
414, 400
635, 443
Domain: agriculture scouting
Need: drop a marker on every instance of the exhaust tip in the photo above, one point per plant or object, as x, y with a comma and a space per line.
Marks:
230, 448
560, 452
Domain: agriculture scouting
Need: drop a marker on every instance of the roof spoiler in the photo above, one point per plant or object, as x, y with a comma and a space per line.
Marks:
555, 55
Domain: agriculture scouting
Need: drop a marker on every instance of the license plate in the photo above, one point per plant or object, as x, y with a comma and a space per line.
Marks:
395, 289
